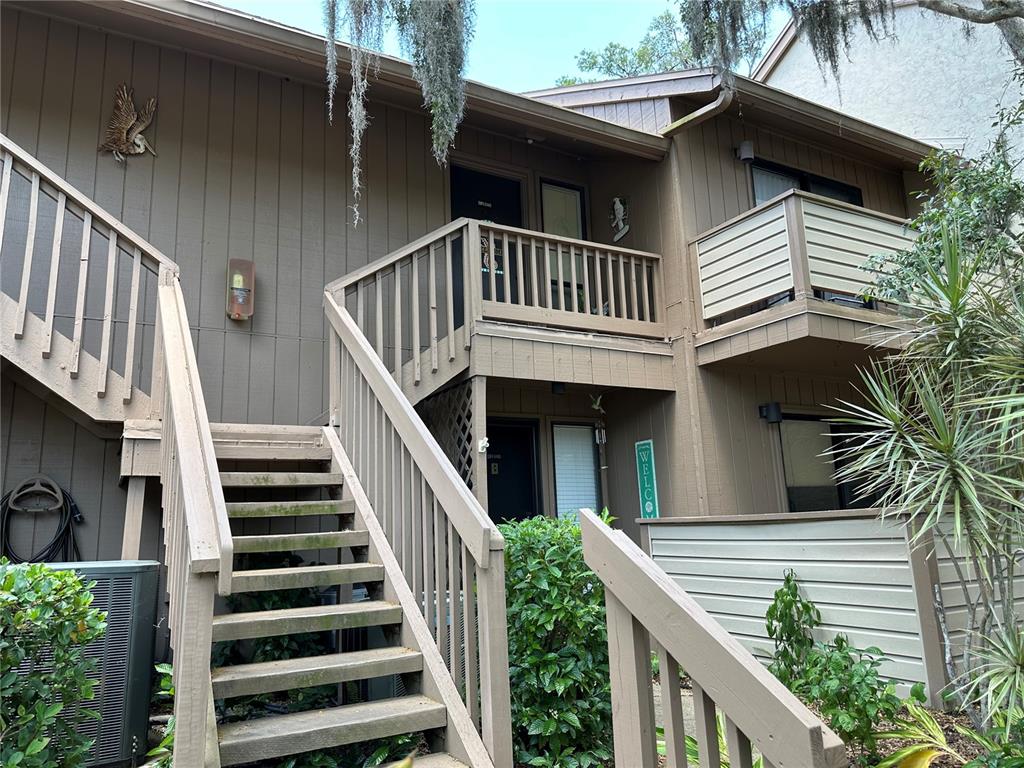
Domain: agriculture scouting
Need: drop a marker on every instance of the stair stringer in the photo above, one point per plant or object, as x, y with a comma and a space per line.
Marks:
461, 738
53, 372
448, 367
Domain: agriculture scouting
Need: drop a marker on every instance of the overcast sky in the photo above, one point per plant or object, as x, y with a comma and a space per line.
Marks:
519, 45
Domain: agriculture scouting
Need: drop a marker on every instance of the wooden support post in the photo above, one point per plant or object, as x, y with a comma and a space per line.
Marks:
495, 695
131, 541
629, 656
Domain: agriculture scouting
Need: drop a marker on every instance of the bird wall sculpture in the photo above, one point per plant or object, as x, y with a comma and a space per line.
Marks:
124, 131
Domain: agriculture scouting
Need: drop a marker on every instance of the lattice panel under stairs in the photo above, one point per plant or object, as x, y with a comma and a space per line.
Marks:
449, 417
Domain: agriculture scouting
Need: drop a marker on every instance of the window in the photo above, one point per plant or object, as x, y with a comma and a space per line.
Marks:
772, 179
806, 442
576, 469
562, 210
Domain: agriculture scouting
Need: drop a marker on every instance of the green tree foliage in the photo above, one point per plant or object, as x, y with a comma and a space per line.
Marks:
558, 647
718, 30
46, 620
662, 49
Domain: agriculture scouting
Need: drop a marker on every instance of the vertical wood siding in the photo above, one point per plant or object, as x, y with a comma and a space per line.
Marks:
247, 167
650, 115
855, 570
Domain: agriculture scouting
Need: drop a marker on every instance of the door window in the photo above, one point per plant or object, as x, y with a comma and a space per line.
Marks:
771, 180
562, 210
576, 470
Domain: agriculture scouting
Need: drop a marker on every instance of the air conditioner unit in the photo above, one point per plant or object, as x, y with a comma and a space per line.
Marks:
126, 590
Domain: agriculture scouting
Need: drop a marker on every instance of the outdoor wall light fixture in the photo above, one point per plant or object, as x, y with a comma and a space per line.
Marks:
745, 151
770, 412
557, 387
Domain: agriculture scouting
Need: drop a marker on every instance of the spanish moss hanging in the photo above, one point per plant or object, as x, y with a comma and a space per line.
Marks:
434, 34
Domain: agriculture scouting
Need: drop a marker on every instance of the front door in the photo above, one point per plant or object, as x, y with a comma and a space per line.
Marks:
486, 196
512, 487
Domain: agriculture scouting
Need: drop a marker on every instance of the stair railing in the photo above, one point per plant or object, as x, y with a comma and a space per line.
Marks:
757, 712
450, 552
197, 537
80, 291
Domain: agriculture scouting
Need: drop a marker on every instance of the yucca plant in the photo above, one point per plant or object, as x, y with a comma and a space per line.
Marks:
927, 740
939, 439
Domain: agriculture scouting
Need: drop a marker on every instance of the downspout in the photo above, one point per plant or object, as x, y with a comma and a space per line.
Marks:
719, 105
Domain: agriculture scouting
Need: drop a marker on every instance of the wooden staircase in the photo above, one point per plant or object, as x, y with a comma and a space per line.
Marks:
284, 499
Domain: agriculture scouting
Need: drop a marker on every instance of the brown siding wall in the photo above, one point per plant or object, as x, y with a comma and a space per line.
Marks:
744, 472
248, 167
718, 186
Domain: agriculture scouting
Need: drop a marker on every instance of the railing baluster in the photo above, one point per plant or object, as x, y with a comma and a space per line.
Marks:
672, 710
574, 290
108, 313
586, 281
414, 292
549, 300
398, 322
506, 268
440, 557
520, 282
646, 290
469, 634
738, 746
706, 725
83, 276
5, 192
26, 264
378, 302
623, 307
449, 295
432, 317
561, 277
51, 290
454, 604
597, 282
534, 296
492, 266
632, 287
611, 285
133, 316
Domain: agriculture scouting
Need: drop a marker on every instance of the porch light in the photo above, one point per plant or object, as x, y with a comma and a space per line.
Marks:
745, 151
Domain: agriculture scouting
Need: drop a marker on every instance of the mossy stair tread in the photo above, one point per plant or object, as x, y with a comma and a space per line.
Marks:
287, 674
279, 479
440, 760
247, 509
285, 542
291, 734
316, 618
266, 579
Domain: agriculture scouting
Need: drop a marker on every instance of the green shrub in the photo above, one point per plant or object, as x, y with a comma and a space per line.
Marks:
558, 647
845, 685
46, 618
791, 621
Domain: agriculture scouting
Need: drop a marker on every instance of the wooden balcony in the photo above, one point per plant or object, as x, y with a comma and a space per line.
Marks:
792, 268
504, 301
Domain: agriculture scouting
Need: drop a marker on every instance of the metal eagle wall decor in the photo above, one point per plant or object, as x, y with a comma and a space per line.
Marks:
124, 131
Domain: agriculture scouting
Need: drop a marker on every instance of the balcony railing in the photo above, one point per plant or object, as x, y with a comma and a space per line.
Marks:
797, 245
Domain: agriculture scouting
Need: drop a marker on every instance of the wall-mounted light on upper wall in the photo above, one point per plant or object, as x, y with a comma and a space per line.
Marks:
745, 151
770, 412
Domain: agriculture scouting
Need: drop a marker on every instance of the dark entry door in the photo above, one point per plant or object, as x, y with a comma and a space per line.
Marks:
480, 195
512, 489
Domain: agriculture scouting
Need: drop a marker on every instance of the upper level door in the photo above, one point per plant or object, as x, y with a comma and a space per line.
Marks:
487, 196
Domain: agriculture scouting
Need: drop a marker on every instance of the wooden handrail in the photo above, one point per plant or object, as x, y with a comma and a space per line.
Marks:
469, 518
449, 550
386, 261
644, 604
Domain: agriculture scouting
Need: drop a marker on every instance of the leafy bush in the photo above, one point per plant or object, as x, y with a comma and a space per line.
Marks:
845, 685
46, 619
558, 647
790, 620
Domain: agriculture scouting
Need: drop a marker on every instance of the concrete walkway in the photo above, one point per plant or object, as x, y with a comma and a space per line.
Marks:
687, 696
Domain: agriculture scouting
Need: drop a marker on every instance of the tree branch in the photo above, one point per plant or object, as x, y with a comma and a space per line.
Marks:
994, 11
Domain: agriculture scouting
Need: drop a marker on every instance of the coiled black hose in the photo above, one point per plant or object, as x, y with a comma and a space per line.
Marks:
63, 547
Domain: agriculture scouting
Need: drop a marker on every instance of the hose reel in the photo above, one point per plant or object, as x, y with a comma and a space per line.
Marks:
41, 495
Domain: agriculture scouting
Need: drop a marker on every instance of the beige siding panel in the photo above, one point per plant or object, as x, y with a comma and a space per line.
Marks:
856, 571
745, 263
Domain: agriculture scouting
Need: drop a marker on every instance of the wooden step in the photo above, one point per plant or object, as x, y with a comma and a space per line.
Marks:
286, 542
266, 677
266, 579
289, 508
269, 442
279, 479
292, 734
292, 621
440, 760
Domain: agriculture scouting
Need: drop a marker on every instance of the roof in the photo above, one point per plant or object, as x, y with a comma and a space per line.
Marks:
212, 30
753, 100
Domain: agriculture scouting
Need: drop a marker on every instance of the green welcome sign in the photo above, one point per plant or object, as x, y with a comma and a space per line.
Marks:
646, 480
